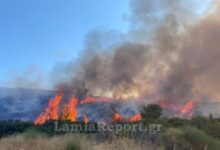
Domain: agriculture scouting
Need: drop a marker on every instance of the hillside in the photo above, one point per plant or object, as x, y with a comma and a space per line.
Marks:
22, 104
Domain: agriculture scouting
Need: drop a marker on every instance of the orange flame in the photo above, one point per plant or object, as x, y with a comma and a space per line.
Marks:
136, 118
117, 117
185, 110
188, 107
52, 111
90, 99
70, 111
65, 112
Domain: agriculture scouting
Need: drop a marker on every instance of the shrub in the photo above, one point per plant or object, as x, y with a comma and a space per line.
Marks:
174, 139
210, 127
177, 122
151, 112
201, 140
199, 122
13, 127
213, 129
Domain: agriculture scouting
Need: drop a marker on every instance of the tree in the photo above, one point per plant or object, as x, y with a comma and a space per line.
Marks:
151, 111
211, 117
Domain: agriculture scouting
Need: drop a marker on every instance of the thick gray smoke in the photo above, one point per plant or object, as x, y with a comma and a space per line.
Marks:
171, 53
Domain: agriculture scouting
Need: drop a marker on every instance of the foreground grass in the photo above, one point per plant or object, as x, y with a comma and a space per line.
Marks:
200, 139
188, 138
182, 138
31, 141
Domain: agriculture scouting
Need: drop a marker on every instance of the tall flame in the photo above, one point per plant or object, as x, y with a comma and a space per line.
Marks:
52, 111
188, 107
70, 110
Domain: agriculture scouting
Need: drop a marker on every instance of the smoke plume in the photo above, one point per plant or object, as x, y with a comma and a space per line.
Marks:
170, 53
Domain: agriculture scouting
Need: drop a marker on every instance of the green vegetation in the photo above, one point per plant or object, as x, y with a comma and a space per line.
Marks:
200, 140
188, 138
13, 127
151, 112
73, 146
174, 138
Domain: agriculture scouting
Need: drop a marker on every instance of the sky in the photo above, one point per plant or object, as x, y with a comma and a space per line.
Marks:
41, 33
35, 35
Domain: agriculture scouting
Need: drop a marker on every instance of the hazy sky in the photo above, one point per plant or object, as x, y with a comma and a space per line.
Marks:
41, 33
37, 34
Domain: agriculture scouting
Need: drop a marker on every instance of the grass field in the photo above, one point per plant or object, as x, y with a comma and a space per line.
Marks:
66, 142
183, 138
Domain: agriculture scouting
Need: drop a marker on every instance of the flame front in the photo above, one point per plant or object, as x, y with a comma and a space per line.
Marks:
70, 112
90, 99
52, 111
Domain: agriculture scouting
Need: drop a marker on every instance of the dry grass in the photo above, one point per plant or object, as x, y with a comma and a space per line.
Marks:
65, 142
120, 144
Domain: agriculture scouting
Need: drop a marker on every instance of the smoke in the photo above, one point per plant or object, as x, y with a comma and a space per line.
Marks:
31, 77
171, 52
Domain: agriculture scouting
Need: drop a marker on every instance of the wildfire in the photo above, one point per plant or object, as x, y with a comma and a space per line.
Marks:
52, 111
70, 111
116, 117
185, 110
65, 112
90, 99
188, 107
136, 118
